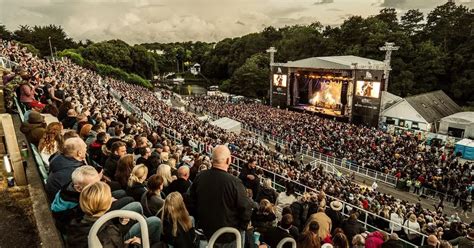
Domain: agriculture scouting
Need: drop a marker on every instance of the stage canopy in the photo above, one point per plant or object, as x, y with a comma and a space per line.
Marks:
466, 148
347, 62
228, 124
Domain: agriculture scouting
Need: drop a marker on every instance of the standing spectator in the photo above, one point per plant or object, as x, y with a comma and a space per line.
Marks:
285, 199
410, 225
267, 192
152, 200
393, 242
249, 177
309, 237
464, 242
178, 230
181, 184
275, 234
117, 150
61, 166
324, 222
334, 213
374, 240
218, 199
136, 186
340, 241
397, 221
352, 227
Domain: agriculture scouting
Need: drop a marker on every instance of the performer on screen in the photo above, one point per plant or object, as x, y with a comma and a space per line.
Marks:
279, 81
367, 89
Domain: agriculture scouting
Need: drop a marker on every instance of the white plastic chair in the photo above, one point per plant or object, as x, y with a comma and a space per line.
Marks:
94, 241
286, 240
223, 230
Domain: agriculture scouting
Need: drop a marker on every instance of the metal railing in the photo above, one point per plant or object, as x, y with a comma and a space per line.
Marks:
6, 63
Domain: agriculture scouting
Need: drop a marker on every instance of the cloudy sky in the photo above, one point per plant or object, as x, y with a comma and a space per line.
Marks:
137, 21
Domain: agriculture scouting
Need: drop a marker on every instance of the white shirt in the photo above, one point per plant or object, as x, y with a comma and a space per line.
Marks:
397, 219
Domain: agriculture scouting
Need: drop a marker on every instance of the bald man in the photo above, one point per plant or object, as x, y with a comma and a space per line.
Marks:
181, 184
218, 199
73, 155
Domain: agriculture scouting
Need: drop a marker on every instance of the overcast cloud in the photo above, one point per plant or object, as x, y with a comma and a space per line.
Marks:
137, 21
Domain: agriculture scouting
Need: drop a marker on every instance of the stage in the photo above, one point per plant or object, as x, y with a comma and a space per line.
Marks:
322, 112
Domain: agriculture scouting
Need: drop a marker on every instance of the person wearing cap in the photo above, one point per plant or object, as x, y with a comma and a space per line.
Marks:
34, 128
334, 212
464, 242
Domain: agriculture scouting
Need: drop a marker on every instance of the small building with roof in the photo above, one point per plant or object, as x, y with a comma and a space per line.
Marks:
420, 112
460, 125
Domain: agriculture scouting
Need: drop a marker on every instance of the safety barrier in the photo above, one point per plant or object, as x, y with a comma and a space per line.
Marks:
238, 237
287, 240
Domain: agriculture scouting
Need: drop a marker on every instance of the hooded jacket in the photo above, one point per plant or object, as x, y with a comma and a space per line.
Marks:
374, 240
60, 171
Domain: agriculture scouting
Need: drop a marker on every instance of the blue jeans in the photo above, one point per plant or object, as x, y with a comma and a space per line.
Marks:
154, 230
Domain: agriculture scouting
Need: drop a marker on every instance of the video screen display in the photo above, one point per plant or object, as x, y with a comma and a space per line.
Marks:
328, 92
279, 80
368, 89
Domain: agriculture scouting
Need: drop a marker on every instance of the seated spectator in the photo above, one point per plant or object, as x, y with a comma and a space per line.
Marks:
125, 166
181, 184
267, 192
145, 154
65, 204
61, 166
375, 240
97, 147
178, 228
275, 234
35, 106
152, 200
136, 186
340, 241
27, 89
84, 133
34, 128
51, 141
352, 227
432, 242
117, 150
164, 171
70, 120
264, 216
95, 200
309, 237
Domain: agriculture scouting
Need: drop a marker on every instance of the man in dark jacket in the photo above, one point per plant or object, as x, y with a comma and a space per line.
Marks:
393, 242
249, 177
117, 150
275, 234
335, 214
352, 227
62, 165
181, 184
218, 199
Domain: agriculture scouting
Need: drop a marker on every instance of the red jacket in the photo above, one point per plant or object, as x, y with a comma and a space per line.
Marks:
374, 240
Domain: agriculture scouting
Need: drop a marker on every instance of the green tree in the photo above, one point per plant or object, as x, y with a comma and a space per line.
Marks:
251, 79
5, 33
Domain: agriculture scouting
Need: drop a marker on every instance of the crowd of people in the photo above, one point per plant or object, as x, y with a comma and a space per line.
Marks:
404, 155
101, 158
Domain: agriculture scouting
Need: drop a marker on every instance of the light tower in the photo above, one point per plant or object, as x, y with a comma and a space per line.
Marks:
272, 52
388, 48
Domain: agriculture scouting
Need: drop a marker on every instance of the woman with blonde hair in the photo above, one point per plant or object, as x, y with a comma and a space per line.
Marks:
411, 225
172, 163
164, 171
136, 186
125, 166
51, 141
95, 200
264, 216
178, 228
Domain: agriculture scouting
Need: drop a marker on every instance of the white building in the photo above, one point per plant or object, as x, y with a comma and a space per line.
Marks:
459, 125
419, 112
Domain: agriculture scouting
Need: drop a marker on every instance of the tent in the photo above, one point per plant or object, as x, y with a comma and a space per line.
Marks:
228, 124
460, 125
466, 148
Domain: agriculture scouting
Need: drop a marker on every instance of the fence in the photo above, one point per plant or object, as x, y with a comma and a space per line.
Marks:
7, 64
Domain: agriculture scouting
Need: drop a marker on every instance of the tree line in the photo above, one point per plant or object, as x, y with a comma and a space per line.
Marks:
436, 51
